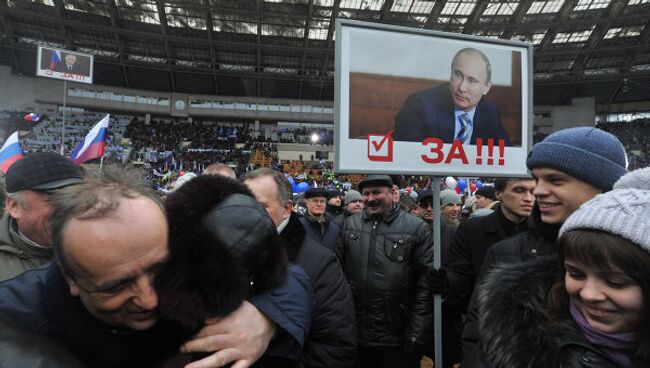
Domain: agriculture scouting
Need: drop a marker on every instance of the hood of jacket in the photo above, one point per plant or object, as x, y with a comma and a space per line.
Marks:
513, 327
223, 248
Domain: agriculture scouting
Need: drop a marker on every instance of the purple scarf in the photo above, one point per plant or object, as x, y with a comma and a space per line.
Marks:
618, 346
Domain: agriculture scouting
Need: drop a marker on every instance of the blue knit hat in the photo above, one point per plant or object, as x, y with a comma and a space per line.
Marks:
589, 154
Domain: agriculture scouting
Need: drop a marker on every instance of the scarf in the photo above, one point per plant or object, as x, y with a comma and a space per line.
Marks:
618, 346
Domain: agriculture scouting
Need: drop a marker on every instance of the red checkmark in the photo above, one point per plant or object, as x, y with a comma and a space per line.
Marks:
385, 141
381, 143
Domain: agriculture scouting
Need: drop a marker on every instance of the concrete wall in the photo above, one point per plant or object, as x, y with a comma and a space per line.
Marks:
38, 94
581, 112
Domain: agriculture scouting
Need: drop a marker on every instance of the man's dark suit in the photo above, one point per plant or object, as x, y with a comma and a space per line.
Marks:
76, 68
430, 113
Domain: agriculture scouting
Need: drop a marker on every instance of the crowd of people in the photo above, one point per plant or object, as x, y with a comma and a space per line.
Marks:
233, 268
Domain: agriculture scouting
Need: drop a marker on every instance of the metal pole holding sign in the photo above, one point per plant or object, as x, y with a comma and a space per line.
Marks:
65, 96
437, 298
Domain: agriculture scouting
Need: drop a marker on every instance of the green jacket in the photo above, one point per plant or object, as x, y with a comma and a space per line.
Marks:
17, 255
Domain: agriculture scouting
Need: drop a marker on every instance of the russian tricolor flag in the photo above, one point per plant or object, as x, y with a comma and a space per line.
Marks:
10, 152
93, 145
54, 58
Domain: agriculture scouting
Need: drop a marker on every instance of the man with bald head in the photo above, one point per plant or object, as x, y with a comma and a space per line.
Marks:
456, 110
111, 239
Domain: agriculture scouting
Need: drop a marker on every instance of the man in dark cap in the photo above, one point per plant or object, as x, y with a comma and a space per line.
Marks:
25, 240
317, 223
385, 254
485, 197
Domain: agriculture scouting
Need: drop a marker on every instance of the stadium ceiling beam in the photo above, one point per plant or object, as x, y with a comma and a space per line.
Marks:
305, 40
633, 54
9, 32
568, 79
209, 28
563, 16
146, 35
516, 19
432, 21
597, 35
472, 24
115, 23
258, 49
162, 18
61, 13
384, 13
330, 35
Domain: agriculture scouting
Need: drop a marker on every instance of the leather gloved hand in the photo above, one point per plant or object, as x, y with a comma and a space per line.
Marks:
438, 281
413, 350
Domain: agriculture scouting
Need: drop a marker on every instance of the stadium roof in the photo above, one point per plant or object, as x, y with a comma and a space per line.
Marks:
285, 48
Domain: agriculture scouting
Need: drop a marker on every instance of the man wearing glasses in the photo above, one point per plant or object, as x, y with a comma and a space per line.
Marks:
25, 239
318, 225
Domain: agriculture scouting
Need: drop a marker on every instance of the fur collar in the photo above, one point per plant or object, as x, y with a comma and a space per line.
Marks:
513, 328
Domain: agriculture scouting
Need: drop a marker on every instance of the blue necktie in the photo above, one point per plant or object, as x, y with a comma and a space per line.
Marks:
464, 122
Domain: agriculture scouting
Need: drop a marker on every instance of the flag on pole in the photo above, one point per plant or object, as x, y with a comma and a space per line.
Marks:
93, 145
54, 59
10, 152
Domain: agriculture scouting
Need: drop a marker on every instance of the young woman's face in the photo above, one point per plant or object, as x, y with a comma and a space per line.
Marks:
610, 300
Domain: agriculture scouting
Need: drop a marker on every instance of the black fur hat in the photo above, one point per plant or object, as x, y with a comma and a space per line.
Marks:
223, 248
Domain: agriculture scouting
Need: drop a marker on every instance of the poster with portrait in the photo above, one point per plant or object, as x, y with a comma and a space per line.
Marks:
431, 103
64, 64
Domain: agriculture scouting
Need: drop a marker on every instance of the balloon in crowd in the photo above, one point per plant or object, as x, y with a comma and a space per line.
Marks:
451, 182
33, 117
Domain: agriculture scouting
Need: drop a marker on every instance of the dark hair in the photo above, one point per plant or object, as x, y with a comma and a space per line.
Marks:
96, 198
500, 184
603, 250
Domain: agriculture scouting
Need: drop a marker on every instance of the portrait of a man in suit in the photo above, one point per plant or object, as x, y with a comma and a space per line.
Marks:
69, 65
457, 110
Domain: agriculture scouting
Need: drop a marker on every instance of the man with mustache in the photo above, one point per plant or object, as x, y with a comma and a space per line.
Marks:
385, 254
570, 167
454, 110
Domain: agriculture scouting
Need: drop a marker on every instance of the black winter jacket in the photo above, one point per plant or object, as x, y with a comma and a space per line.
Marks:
537, 241
385, 261
514, 331
473, 238
327, 239
332, 337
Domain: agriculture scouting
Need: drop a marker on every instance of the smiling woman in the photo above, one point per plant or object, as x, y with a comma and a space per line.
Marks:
590, 304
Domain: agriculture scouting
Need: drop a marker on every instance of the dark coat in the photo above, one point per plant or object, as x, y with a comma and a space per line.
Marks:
327, 239
514, 330
332, 337
472, 240
385, 261
430, 113
40, 301
537, 241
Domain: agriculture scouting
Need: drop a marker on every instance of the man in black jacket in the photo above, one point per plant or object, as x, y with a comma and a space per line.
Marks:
570, 167
318, 224
385, 254
476, 235
332, 338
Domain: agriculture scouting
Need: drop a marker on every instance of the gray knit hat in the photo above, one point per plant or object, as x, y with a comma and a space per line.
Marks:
448, 196
624, 211
589, 154
351, 196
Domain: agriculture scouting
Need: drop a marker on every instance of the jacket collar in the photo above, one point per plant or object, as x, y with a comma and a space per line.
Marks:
293, 235
12, 241
547, 231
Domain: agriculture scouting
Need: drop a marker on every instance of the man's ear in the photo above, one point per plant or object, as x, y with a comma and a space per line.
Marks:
12, 207
288, 208
487, 87
72, 284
